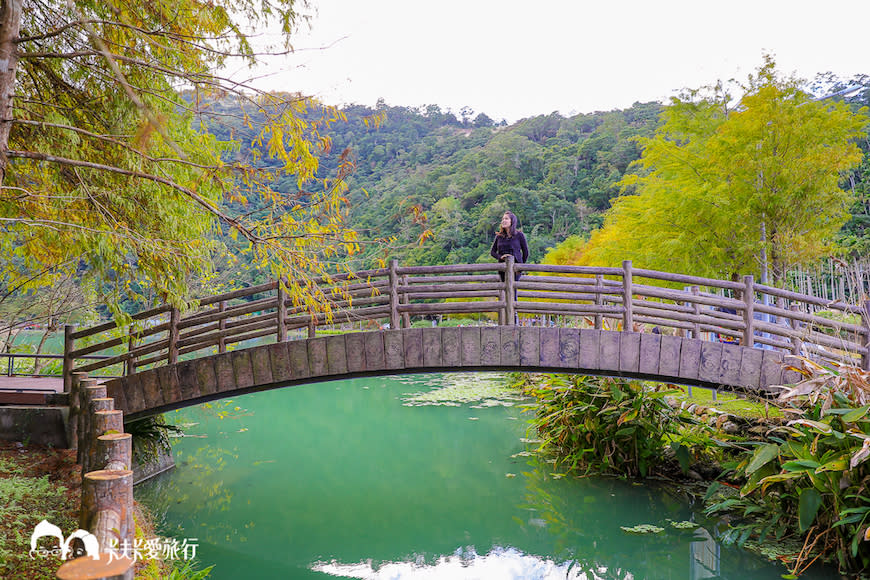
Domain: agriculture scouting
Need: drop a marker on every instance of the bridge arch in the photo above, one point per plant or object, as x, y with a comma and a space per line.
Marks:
733, 334
509, 348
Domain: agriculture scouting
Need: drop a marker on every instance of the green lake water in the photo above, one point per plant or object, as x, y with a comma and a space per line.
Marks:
352, 479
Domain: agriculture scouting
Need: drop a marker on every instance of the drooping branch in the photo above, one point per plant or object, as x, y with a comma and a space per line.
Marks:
203, 202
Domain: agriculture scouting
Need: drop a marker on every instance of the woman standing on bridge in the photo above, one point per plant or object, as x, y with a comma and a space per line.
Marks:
509, 241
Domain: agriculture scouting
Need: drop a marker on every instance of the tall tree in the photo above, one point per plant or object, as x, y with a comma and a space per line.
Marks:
727, 189
106, 167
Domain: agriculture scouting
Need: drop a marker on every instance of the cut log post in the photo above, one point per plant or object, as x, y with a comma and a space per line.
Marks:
89, 456
104, 567
107, 509
106, 422
114, 451
748, 337
88, 390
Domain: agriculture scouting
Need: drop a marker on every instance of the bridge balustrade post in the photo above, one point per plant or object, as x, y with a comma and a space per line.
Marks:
509, 292
174, 315
130, 365
281, 313
796, 342
394, 294
406, 318
627, 292
222, 326
748, 311
696, 308
599, 300
865, 315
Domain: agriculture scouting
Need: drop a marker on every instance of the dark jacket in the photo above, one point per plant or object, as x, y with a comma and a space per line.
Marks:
514, 245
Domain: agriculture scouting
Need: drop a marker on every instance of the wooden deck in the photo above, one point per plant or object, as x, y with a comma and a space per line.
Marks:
28, 390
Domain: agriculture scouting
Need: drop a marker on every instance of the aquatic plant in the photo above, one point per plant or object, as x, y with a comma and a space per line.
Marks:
603, 425
810, 478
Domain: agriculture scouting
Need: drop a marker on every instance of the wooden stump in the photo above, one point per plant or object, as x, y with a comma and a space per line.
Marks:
114, 451
107, 508
105, 567
101, 423
89, 390
83, 405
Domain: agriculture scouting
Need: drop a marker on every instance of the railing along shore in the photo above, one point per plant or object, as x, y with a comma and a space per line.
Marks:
626, 298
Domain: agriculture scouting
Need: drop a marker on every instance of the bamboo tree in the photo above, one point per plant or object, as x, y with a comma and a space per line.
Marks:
725, 189
107, 169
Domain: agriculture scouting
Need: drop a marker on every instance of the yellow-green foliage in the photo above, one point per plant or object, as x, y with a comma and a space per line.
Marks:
722, 181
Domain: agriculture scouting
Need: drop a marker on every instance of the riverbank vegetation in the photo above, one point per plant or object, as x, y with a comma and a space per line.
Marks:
798, 476
40, 483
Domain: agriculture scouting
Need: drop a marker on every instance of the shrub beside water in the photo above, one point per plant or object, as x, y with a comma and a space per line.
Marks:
805, 478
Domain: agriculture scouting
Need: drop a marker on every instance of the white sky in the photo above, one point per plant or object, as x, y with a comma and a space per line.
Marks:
512, 59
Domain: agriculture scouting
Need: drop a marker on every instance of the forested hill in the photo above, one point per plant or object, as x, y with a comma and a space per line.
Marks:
439, 184
427, 171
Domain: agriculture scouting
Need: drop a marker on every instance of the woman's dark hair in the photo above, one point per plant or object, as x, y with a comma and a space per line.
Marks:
510, 232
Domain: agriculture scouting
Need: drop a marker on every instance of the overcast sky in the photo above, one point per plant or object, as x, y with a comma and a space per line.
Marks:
512, 59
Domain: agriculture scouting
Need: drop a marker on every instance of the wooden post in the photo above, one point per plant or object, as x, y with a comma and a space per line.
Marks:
68, 344
748, 338
865, 315
796, 342
509, 292
406, 318
174, 315
89, 457
394, 294
312, 326
88, 390
75, 410
106, 422
130, 365
222, 326
107, 508
105, 567
696, 307
599, 300
114, 451
282, 313
627, 292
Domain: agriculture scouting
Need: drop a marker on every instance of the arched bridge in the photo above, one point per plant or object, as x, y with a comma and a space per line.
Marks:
606, 321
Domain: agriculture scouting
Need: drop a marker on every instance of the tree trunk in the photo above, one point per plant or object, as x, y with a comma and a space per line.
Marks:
10, 22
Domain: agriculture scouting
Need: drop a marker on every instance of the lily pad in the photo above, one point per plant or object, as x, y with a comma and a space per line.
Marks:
642, 529
485, 389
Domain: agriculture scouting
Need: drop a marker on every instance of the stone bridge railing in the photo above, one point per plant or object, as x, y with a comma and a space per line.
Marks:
611, 298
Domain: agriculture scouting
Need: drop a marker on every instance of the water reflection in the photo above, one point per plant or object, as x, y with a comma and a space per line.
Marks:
499, 564
345, 479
